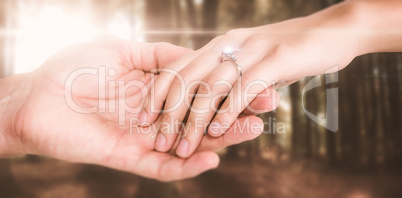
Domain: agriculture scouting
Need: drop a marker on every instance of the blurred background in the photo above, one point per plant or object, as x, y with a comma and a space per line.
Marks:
363, 159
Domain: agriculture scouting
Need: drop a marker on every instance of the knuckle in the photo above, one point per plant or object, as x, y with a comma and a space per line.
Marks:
236, 32
184, 74
255, 40
210, 82
281, 50
161, 45
181, 78
205, 88
216, 39
233, 34
245, 81
166, 117
177, 82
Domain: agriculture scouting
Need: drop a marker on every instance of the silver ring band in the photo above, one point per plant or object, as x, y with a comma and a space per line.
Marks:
227, 55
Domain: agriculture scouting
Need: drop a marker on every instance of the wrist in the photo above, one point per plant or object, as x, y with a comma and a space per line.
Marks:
345, 26
14, 91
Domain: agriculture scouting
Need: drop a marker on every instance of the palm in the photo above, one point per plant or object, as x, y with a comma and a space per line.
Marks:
56, 128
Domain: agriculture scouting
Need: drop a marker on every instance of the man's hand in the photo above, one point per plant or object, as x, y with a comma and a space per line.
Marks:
80, 106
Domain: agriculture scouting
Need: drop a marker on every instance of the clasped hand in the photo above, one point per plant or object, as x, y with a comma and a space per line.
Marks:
79, 106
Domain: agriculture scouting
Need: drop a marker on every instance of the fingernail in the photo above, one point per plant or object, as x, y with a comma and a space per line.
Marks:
160, 143
182, 149
214, 128
143, 117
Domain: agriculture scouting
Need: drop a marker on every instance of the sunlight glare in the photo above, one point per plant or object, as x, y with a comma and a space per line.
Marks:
41, 34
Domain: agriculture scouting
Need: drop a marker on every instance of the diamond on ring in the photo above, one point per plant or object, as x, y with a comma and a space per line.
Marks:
228, 55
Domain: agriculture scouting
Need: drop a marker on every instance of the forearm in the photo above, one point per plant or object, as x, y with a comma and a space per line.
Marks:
13, 93
370, 25
385, 18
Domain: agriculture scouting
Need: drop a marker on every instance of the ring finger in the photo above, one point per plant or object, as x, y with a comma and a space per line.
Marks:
215, 88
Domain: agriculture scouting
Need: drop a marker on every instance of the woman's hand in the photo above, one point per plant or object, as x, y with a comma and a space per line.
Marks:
270, 56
